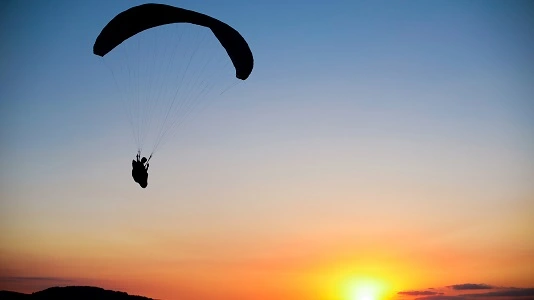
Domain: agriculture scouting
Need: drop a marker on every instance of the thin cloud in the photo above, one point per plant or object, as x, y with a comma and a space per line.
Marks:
479, 291
470, 286
418, 293
34, 279
439, 297
508, 292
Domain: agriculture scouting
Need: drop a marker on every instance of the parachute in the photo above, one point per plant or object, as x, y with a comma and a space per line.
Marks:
168, 63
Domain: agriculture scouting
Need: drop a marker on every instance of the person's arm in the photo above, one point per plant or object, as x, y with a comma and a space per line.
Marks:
147, 166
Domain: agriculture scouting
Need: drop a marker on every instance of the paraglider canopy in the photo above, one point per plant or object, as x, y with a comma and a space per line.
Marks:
168, 63
146, 16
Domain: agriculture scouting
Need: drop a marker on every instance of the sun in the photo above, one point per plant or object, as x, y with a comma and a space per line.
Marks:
365, 289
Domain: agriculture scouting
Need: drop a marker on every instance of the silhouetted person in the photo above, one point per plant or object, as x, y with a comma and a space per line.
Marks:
140, 170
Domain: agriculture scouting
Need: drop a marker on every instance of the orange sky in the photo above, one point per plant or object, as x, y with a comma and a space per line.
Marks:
324, 263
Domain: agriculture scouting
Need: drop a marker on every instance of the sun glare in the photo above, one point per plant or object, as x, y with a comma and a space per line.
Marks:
365, 289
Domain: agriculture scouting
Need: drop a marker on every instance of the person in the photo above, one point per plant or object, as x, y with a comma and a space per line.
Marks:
140, 170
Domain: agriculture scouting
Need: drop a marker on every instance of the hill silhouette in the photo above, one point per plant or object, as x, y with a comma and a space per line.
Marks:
71, 292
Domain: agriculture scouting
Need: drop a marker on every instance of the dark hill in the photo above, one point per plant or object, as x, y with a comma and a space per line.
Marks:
7, 295
71, 292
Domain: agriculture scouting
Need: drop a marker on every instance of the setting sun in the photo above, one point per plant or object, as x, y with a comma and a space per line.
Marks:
365, 289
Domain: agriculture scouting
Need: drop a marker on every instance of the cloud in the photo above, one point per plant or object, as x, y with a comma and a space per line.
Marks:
34, 279
418, 293
439, 297
496, 293
470, 286
508, 292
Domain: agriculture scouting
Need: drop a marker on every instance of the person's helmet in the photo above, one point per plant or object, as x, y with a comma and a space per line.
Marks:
143, 160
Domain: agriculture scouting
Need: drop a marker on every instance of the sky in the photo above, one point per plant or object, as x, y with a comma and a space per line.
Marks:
379, 150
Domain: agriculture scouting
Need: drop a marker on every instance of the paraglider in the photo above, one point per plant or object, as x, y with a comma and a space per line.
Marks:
140, 170
133, 23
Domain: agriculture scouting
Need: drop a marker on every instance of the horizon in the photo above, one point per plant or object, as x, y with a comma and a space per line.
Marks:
378, 150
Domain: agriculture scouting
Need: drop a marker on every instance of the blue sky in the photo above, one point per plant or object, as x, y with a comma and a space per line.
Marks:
420, 106
441, 60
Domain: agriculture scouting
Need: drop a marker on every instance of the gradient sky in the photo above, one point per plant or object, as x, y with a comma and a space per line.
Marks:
379, 148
